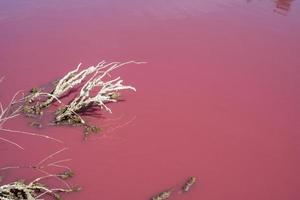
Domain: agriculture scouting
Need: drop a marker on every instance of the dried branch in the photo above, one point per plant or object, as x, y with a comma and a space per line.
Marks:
107, 92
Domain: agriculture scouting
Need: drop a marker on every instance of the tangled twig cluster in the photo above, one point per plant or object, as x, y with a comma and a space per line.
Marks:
107, 90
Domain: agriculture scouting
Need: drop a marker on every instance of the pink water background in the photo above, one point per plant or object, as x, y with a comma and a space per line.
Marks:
218, 98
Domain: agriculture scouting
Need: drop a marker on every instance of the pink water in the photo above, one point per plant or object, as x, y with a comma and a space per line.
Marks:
218, 98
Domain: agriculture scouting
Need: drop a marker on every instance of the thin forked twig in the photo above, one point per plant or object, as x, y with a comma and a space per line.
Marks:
12, 110
51, 156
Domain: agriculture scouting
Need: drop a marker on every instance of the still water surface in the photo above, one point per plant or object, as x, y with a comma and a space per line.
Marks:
218, 98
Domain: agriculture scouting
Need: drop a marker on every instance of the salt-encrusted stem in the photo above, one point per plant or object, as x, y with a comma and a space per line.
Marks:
107, 91
70, 80
75, 77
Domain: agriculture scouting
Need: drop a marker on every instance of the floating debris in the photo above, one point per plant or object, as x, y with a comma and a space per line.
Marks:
189, 183
163, 195
36, 124
76, 189
90, 129
66, 174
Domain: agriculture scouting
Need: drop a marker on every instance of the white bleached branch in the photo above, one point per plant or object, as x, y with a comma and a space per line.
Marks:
107, 90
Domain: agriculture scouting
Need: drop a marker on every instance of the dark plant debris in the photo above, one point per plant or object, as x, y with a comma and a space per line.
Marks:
188, 184
91, 129
36, 124
32, 110
66, 174
163, 195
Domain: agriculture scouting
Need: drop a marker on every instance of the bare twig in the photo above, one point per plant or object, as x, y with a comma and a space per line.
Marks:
51, 156
31, 134
11, 142
13, 110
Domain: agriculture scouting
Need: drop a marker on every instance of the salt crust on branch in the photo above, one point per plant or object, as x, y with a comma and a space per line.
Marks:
107, 89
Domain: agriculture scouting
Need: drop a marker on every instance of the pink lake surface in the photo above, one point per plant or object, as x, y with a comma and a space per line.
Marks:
218, 98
